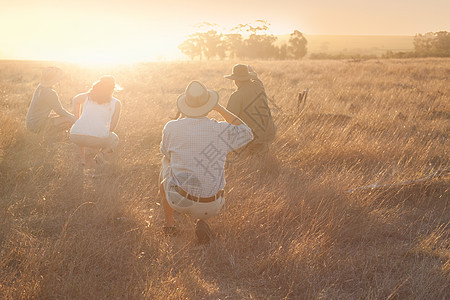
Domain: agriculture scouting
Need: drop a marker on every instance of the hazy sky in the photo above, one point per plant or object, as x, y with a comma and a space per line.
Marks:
146, 29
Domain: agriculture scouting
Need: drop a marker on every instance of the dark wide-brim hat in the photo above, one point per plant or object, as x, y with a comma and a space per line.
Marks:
51, 76
197, 100
240, 73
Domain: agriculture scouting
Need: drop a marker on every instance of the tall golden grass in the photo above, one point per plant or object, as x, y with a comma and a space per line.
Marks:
290, 228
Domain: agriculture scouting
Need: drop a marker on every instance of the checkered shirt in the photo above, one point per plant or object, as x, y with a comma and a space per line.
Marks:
196, 150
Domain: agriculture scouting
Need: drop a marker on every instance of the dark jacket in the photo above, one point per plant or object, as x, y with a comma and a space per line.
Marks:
249, 103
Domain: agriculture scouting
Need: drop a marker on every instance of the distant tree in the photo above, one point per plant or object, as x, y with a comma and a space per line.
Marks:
222, 48
250, 41
432, 44
283, 52
259, 27
233, 44
297, 45
211, 44
207, 42
423, 43
191, 47
212, 41
442, 43
259, 44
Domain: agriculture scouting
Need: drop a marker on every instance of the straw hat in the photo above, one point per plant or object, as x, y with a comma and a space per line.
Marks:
50, 76
240, 73
197, 101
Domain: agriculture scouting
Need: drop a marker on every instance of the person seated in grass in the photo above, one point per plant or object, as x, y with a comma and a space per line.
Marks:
249, 102
97, 113
194, 150
46, 112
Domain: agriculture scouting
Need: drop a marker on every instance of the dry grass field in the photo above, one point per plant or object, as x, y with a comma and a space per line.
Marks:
290, 228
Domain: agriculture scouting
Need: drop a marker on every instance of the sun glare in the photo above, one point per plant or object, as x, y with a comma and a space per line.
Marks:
109, 42
101, 59
124, 52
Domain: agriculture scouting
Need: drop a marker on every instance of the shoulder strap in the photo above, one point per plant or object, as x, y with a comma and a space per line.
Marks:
112, 105
83, 105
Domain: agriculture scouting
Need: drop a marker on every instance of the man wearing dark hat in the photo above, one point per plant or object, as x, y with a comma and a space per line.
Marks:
45, 100
249, 102
194, 150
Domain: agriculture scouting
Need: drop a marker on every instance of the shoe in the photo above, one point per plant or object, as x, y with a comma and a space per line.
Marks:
170, 230
203, 232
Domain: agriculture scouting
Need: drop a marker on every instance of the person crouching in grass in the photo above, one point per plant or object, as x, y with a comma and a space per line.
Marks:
97, 113
46, 114
194, 150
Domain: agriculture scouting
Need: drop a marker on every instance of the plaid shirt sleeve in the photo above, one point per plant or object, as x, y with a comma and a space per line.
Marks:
235, 136
164, 141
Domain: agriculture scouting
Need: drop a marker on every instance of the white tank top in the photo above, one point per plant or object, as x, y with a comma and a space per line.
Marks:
95, 119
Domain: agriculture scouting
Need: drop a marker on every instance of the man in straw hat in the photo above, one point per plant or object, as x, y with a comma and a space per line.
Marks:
249, 102
45, 100
194, 150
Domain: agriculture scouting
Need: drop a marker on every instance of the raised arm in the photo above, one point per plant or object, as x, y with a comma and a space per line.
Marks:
255, 76
77, 104
59, 109
228, 115
236, 133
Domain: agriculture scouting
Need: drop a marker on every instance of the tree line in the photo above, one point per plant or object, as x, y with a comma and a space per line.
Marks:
244, 41
430, 44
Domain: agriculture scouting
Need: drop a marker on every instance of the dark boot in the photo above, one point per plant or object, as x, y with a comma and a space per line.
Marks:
203, 232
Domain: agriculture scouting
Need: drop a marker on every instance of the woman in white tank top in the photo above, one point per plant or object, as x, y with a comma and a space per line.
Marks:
97, 113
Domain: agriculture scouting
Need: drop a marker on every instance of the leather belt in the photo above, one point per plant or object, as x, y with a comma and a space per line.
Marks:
198, 199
